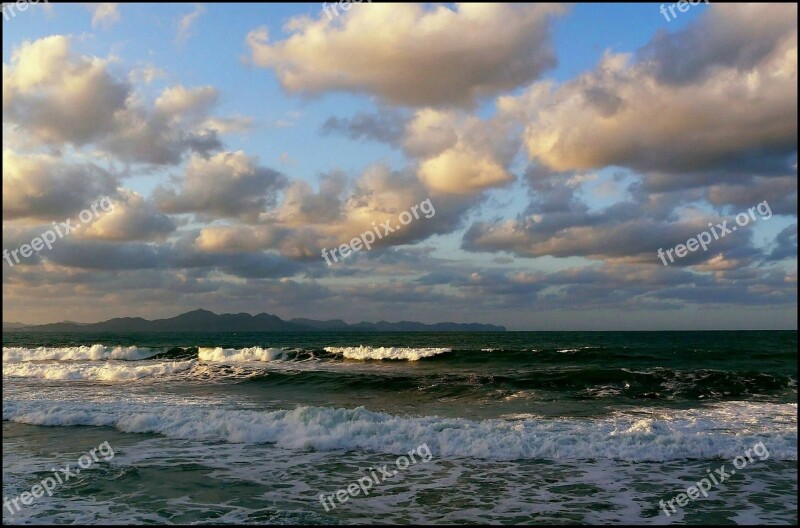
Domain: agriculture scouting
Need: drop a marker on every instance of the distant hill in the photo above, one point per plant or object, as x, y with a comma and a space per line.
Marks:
14, 326
205, 321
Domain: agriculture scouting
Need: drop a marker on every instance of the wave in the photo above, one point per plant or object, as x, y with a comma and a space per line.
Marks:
76, 353
327, 371
651, 383
400, 353
232, 355
719, 431
594, 356
111, 371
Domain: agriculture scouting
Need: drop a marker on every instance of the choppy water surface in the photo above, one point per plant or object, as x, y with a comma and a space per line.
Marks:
523, 427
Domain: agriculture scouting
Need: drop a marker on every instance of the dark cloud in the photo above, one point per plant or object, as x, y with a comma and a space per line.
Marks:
738, 37
785, 244
229, 184
41, 187
385, 127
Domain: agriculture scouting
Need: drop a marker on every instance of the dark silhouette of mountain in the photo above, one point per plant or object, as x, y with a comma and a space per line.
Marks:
332, 325
205, 321
14, 326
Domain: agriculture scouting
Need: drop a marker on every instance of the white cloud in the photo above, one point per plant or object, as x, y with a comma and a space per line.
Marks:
54, 97
407, 54
187, 22
667, 112
104, 14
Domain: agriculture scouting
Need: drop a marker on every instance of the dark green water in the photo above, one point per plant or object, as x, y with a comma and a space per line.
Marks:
531, 427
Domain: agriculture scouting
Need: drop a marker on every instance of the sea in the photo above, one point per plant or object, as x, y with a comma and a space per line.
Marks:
447, 428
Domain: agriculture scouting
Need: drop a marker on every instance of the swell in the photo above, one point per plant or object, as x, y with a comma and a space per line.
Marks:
780, 357
655, 384
319, 370
719, 431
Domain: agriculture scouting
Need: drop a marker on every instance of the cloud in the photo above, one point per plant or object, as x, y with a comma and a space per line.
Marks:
308, 220
236, 238
337, 213
633, 240
289, 120
228, 184
785, 244
460, 154
779, 192
72, 255
456, 153
452, 152
187, 103
56, 98
131, 218
385, 127
723, 133
59, 98
696, 126
430, 132
302, 206
736, 38
39, 188
558, 224
340, 211
43, 187
229, 125
146, 74
176, 124
187, 22
410, 55
717, 95
460, 170
286, 159
104, 14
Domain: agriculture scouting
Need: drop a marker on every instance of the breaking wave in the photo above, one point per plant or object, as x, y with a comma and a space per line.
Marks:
721, 431
399, 353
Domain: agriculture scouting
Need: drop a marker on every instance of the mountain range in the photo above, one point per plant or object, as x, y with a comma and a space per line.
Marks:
206, 321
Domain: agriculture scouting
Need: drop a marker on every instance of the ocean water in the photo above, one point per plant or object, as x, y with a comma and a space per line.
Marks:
518, 427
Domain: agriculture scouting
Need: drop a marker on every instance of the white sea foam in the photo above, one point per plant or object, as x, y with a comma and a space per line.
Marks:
109, 371
721, 431
366, 352
570, 350
232, 355
76, 353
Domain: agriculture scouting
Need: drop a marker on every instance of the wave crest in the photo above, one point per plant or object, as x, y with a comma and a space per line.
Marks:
399, 353
111, 371
77, 353
232, 355
721, 431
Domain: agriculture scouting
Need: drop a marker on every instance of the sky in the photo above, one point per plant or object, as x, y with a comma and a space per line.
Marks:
558, 159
